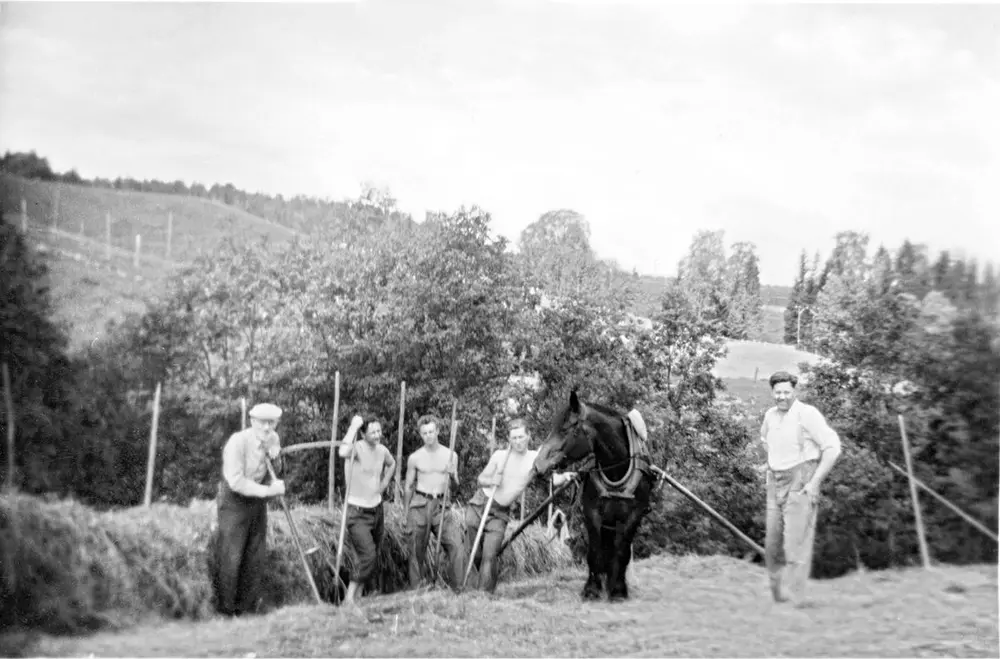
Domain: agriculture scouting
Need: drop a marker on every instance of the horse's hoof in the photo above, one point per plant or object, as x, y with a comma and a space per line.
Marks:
619, 594
591, 593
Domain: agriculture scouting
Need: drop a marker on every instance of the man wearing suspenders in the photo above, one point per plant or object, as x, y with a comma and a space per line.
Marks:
801, 450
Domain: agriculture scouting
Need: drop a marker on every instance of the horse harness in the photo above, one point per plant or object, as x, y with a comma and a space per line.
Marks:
639, 465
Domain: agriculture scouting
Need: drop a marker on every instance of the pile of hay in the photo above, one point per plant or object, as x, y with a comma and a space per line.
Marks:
68, 568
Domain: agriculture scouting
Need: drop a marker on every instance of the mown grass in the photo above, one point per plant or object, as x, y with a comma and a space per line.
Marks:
681, 606
68, 568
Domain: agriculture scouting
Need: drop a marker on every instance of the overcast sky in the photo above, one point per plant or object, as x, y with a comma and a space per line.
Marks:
780, 124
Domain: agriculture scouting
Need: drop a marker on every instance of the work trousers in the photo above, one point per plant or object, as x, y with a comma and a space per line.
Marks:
791, 529
428, 515
486, 560
366, 526
241, 551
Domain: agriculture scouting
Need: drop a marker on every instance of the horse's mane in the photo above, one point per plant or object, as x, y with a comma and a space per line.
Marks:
603, 409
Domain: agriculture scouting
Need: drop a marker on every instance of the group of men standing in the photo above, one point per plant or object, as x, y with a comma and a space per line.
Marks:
801, 451
369, 471
428, 471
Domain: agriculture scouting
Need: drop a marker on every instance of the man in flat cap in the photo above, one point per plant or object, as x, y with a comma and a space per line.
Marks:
801, 450
243, 510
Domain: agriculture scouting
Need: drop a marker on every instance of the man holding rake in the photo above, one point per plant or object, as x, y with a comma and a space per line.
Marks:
503, 479
369, 469
242, 510
427, 472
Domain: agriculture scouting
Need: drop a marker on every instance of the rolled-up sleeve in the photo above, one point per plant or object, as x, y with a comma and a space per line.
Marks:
815, 424
234, 473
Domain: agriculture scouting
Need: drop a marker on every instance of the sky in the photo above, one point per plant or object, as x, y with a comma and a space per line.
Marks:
779, 124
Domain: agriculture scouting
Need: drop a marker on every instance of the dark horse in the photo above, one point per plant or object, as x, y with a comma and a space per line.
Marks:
616, 491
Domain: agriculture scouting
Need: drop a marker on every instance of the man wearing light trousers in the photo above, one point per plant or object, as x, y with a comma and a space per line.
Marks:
801, 450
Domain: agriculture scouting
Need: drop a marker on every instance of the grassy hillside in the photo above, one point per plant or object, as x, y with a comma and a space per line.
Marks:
93, 284
688, 606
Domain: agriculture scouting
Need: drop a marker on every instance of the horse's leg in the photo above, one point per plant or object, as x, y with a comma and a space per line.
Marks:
592, 520
617, 586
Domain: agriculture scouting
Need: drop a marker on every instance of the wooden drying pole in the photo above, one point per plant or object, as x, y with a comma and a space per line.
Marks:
148, 499
332, 480
399, 442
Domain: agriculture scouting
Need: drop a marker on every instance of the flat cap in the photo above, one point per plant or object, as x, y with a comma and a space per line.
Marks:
266, 412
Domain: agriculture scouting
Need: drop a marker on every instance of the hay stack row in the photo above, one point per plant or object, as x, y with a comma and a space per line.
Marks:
69, 568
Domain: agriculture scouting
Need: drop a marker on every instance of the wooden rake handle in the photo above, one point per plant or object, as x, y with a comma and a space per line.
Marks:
295, 535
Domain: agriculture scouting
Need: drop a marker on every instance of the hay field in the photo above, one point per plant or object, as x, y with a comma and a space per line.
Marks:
67, 568
682, 606
88, 288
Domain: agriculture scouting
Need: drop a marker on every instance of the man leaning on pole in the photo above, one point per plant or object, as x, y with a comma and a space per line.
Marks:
505, 476
369, 468
801, 450
242, 506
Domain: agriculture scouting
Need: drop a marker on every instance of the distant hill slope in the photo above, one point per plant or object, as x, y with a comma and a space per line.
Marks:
92, 284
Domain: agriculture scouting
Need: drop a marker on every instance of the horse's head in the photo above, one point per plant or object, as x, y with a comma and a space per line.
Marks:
568, 439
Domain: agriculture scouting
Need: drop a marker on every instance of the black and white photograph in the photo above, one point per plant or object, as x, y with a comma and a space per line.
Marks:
499, 328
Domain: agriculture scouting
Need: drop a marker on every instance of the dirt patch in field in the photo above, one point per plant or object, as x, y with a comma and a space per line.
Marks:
680, 606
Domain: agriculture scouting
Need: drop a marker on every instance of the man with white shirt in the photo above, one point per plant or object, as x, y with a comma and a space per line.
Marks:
801, 450
505, 476
368, 469
242, 510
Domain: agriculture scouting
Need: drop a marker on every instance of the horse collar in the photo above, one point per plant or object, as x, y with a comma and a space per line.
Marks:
625, 487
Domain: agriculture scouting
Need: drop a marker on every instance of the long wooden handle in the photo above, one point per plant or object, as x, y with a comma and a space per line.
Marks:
295, 535
447, 485
343, 513
533, 516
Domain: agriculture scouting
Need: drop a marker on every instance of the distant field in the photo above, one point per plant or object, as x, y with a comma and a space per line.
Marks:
747, 358
91, 286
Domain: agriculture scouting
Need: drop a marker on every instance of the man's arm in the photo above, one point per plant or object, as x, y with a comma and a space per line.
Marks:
829, 445
411, 484
232, 471
388, 470
488, 477
453, 467
352, 433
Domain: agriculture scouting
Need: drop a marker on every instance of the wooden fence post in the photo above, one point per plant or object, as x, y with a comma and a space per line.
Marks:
333, 441
147, 500
243, 412
138, 246
24, 216
8, 398
170, 232
55, 208
924, 553
399, 441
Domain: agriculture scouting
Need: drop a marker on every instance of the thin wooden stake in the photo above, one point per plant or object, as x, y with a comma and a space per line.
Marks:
24, 216
138, 246
493, 434
148, 499
170, 232
243, 412
399, 442
955, 509
924, 553
332, 484
447, 488
8, 398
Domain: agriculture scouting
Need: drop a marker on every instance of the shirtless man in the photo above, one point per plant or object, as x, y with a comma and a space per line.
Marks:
505, 476
427, 472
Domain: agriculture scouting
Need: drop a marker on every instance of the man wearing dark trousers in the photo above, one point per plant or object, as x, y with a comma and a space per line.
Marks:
369, 468
242, 507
